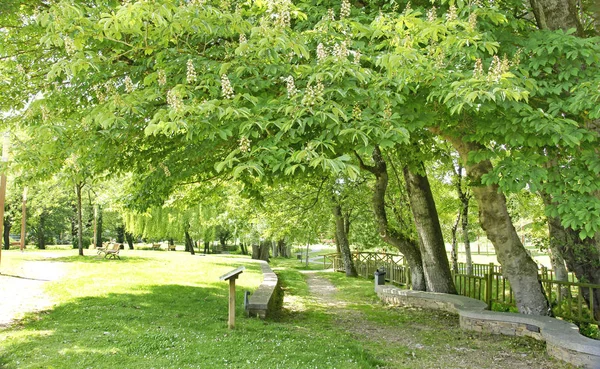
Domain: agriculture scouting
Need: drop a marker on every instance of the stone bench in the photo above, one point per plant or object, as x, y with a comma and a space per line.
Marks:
563, 340
267, 298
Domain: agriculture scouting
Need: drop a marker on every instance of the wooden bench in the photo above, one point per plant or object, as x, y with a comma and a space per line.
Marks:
172, 247
156, 246
113, 252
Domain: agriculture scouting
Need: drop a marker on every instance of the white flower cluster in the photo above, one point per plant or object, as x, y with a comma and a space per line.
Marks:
331, 15
99, 93
174, 100
243, 39
451, 15
279, 12
283, 19
191, 72
313, 93
244, 144
226, 88
516, 60
478, 69
345, 10
431, 14
321, 53
197, 2
357, 55
497, 69
129, 84
20, 69
165, 169
340, 50
69, 45
290, 86
162, 77
472, 20
408, 8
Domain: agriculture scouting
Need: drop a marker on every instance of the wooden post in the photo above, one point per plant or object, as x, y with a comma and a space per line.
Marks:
3, 188
231, 277
23, 219
231, 320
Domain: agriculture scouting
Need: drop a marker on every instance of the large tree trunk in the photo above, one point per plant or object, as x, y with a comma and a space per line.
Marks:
260, 251
517, 265
282, 249
129, 238
431, 241
342, 238
405, 245
264, 251
581, 257
78, 187
556, 14
189, 243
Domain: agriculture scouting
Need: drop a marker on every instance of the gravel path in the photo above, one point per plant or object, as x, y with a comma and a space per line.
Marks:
23, 291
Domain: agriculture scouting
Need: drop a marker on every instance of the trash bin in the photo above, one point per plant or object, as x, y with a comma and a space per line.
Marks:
299, 256
379, 277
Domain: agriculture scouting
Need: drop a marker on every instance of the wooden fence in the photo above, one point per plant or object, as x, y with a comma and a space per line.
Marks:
485, 283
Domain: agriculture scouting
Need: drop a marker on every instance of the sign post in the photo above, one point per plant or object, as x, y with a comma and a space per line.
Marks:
231, 277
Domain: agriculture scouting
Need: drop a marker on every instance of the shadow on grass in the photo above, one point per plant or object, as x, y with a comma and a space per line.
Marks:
93, 259
141, 323
168, 326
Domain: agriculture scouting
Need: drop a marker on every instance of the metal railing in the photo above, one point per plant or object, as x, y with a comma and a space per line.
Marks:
569, 300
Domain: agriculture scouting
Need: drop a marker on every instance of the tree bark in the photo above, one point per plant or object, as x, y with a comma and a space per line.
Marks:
464, 198
41, 232
342, 237
6, 231
405, 245
454, 252
431, 241
78, 187
556, 14
264, 251
99, 228
129, 238
189, 243
282, 248
517, 265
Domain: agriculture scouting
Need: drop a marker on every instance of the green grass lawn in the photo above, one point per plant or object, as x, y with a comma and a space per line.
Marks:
169, 310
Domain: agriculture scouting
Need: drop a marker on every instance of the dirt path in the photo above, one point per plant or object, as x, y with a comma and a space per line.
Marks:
23, 290
417, 338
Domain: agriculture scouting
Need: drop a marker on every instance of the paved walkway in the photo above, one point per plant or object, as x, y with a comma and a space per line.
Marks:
23, 291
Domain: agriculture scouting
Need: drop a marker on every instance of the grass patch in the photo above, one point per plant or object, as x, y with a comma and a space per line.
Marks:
169, 310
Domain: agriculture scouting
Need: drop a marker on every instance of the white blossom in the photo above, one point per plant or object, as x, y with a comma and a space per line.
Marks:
191, 72
226, 87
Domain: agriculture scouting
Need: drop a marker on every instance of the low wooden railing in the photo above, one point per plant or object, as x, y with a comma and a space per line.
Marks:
485, 283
